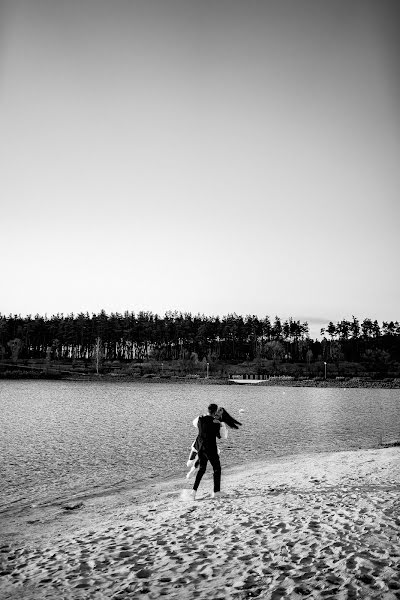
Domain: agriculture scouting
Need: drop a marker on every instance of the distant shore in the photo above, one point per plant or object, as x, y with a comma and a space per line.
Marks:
188, 380
329, 383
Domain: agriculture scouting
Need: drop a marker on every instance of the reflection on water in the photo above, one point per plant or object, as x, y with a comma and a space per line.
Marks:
60, 438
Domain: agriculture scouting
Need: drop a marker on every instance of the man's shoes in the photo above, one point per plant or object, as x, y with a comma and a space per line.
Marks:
216, 495
192, 494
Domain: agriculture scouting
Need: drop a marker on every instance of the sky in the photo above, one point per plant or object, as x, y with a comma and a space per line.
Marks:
204, 156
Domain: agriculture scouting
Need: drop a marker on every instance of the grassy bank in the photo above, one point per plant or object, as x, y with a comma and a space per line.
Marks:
312, 374
118, 376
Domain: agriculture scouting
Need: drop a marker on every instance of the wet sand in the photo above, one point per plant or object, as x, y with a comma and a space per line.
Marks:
311, 526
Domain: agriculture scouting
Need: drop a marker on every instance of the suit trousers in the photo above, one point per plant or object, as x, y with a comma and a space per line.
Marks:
204, 456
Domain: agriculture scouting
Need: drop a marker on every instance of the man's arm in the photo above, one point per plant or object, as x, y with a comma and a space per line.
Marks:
195, 422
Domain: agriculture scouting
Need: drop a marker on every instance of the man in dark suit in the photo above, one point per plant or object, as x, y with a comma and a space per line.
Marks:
210, 428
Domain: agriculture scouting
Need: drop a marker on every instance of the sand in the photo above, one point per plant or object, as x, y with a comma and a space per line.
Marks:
311, 526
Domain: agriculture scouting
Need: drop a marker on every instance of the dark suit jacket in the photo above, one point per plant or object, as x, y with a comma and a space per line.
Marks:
209, 431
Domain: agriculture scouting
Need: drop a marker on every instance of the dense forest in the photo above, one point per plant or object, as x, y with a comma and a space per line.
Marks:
199, 339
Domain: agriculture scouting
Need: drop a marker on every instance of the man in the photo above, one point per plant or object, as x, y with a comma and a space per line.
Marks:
210, 428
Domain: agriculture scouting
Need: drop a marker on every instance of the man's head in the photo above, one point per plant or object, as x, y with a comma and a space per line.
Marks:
212, 409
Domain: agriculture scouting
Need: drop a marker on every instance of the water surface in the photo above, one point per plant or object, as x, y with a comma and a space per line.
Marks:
61, 438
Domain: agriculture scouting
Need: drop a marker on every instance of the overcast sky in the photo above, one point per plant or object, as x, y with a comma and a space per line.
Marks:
203, 156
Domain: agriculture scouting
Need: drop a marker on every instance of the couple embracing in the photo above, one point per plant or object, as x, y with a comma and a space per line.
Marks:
211, 427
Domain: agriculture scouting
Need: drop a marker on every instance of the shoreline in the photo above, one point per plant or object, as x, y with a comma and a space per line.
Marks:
266, 383
118, 378
294, 527
36, 509
139, 490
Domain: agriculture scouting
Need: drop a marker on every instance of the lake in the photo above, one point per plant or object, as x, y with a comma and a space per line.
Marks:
65, 438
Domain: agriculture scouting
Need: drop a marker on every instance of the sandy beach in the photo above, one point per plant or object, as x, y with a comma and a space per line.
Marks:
311, 526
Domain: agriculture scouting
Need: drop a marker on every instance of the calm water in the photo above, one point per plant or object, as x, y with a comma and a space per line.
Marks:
61, 438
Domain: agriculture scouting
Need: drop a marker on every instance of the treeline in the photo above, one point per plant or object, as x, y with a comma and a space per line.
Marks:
143, 336
354, 329
176, 336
